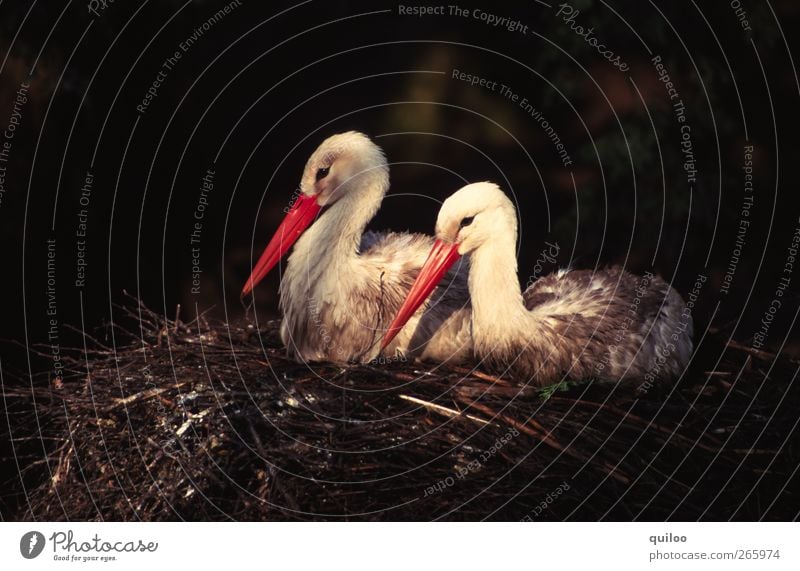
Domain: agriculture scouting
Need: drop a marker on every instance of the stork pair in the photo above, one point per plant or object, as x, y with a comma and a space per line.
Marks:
349, 296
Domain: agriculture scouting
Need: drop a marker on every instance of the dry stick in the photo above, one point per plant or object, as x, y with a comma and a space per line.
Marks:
536, 430
763, 355
145, 394
480, 389
443, 409
480, 375
405, 377
62, 468
177, 319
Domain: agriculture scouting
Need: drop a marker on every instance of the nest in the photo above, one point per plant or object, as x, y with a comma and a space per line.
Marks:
210, 421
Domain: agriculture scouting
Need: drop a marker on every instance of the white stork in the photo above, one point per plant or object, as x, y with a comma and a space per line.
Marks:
606, 324
342, 285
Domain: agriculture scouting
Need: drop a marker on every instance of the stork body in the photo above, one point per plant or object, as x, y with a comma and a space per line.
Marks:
607, 324
342, 286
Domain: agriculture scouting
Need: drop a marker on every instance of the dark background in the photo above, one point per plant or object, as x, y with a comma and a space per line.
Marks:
261, 91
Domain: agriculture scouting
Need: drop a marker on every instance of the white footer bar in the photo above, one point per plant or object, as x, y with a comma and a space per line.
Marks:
388, 546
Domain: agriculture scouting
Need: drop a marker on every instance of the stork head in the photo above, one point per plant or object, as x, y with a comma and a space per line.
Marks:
475, 214
341, 164
344, 164
469, 218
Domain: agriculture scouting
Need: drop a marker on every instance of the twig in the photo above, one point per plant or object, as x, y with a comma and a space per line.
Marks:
763, 355
480, 375
177, 319
443, 409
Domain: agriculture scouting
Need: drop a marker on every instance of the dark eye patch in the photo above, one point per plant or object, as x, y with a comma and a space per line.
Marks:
466, 221
323, 172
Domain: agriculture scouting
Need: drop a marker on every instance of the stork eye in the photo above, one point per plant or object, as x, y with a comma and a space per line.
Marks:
323, 172
467, 221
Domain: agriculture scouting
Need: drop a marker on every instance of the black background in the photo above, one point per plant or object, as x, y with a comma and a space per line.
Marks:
262, 88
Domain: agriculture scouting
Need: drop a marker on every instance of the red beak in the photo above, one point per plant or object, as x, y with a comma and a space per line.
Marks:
300, 216
441, 258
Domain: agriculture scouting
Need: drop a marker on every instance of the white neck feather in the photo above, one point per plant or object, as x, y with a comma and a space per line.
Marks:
498, 312
333, 240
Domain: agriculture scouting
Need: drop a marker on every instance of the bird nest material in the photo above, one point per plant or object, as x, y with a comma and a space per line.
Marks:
210, 421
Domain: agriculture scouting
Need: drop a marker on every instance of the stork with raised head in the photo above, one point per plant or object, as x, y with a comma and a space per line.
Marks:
342, 286
606, 324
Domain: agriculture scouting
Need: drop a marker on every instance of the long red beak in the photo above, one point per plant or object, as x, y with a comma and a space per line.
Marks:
300, 216
441, 258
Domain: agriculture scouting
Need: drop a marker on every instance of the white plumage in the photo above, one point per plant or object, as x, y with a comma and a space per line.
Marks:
606, 324
342, 286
